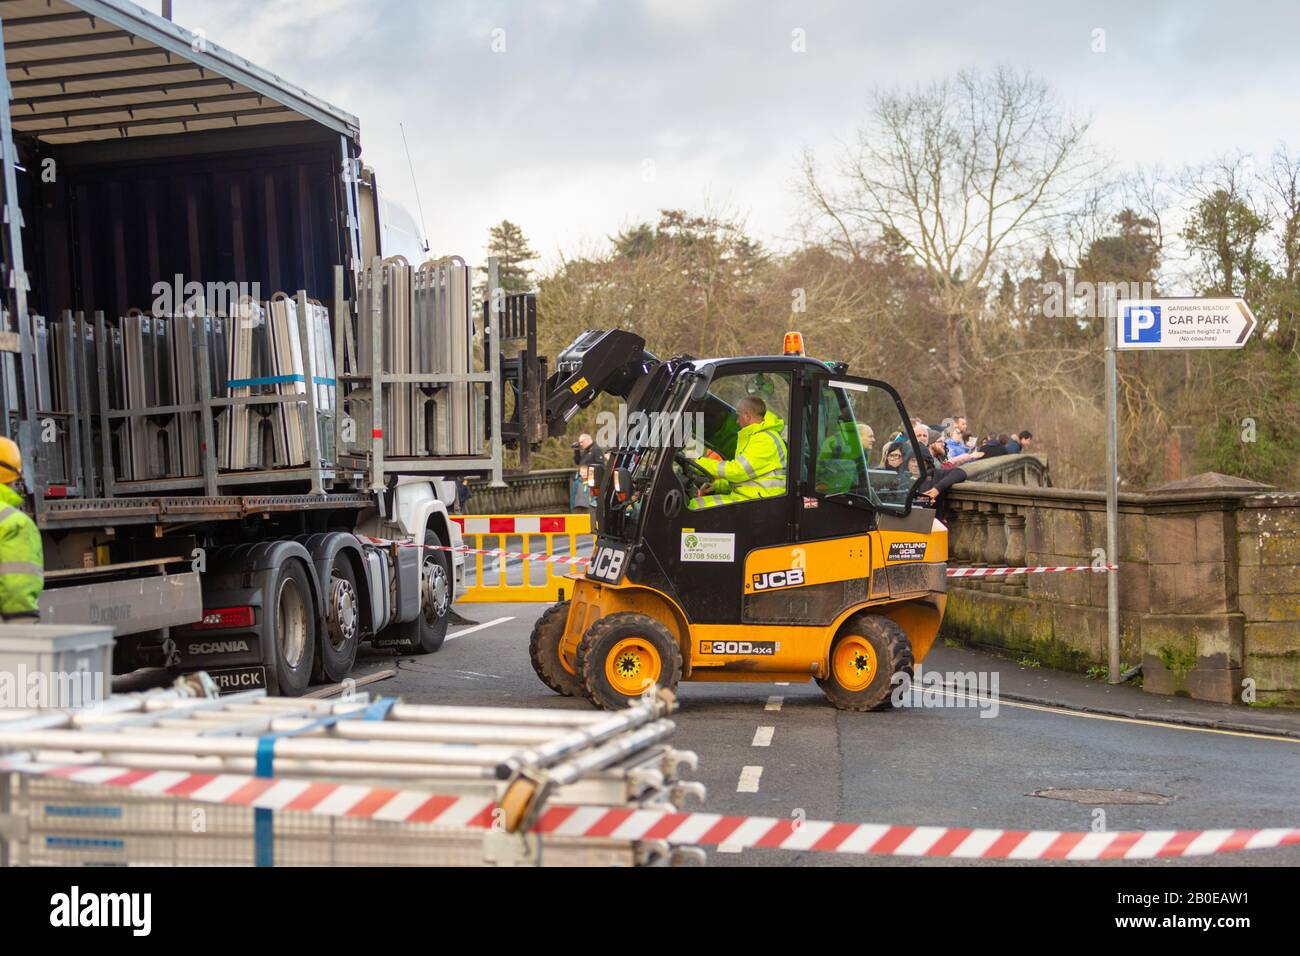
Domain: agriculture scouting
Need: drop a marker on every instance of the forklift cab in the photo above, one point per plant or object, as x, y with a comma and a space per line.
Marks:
836, 430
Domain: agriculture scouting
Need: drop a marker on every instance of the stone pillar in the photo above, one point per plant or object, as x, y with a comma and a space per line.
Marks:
973, 542
995, 547
1017, 552
956, 517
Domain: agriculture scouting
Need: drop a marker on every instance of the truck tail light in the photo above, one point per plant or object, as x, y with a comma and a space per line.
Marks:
220, 617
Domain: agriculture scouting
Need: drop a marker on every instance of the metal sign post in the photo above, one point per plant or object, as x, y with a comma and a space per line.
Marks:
1168, 324
1112, 493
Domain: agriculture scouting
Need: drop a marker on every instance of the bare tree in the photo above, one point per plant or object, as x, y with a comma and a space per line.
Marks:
959, 174
1282, 182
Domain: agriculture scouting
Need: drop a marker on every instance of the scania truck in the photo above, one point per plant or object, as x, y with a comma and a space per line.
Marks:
137, 152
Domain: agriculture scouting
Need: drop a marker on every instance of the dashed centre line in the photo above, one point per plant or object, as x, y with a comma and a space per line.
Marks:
774, 702
763, 736
749, 777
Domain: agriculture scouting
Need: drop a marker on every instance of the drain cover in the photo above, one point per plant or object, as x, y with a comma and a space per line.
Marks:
1092, 797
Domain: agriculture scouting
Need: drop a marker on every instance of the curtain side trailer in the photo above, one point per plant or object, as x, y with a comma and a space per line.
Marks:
149, 160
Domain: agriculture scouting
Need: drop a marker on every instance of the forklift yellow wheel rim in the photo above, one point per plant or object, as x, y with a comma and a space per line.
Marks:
632, 665
855, 663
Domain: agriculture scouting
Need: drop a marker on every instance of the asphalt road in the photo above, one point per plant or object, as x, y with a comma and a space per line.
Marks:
921, 765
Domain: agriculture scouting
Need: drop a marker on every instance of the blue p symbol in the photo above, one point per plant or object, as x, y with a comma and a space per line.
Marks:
1141, 323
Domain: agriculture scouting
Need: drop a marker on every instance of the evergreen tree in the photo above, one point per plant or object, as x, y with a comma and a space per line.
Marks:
507, 242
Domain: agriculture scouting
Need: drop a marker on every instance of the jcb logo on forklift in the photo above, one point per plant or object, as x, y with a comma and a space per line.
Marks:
607, 565
778, 579
756, 648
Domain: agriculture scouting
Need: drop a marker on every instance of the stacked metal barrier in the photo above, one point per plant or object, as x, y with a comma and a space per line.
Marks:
148, 389
424, 317
156, 388
350, 782
63, 357
245, 362
152, 366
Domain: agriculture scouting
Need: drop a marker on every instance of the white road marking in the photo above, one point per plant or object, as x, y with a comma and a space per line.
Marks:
1149, 722
783, 683
748, 782
774, 702
729, 848
477, 627
763, 736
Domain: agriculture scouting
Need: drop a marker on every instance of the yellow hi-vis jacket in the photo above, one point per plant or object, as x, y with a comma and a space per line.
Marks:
22, 559
757, 471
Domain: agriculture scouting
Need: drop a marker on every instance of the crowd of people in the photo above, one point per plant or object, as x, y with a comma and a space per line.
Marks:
944, 449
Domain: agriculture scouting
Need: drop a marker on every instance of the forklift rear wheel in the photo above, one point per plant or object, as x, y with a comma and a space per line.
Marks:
544, 651
623, 655
867, 653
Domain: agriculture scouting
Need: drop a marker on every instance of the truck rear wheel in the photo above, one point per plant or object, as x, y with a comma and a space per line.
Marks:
290, 629
428, 631
544, 651
342, 634
623, 655
869, 650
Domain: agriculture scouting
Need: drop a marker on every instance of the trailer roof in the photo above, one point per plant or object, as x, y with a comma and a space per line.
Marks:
86, 70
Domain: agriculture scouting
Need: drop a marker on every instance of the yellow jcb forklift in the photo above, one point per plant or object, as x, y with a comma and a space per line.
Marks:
839, 578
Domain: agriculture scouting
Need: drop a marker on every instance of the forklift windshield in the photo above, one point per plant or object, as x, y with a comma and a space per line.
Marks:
864, 450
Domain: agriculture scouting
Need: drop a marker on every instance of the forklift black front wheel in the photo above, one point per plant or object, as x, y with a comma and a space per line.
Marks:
867, 653
623, 655
544, 651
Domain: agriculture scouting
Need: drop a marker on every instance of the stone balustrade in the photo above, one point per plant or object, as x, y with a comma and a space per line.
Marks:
1209, 584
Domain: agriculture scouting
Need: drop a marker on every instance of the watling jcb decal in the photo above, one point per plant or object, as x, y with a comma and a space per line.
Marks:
769, 580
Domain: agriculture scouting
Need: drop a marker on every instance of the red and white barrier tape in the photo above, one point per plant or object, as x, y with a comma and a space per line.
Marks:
1002, 572
574, 559
691, 829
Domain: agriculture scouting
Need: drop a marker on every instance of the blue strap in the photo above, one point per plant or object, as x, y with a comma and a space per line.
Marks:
263, 818
276, 380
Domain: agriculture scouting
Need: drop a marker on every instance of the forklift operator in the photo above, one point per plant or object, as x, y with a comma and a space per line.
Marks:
759, 468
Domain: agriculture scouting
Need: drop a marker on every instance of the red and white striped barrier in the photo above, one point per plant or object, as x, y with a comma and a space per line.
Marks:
491, 552
521, 524
690, 829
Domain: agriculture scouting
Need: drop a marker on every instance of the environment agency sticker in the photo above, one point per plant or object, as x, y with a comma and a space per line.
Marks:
698, 546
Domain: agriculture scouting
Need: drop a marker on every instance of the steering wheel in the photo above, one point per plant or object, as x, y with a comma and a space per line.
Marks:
692, 475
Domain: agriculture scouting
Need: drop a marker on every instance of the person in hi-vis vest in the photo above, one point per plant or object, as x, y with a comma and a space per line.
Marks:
759, 468
22, 559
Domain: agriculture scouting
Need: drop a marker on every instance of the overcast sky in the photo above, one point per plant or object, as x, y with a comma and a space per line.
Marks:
598, 114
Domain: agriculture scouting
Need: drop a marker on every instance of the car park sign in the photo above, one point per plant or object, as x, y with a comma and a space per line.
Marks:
1183, 324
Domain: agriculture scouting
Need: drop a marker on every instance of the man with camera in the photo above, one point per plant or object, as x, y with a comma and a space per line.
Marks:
587, 455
